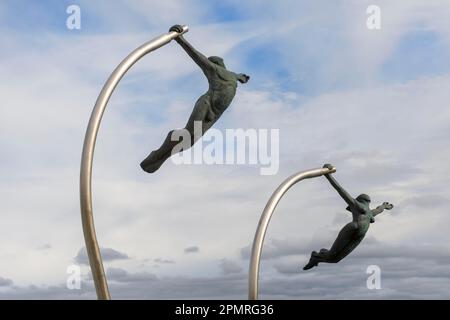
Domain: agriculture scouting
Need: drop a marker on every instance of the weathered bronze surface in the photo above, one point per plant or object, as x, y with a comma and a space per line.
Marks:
353, 232
208, 108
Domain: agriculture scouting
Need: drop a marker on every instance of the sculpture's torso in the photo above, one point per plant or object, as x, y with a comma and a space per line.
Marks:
362, 216
222, 89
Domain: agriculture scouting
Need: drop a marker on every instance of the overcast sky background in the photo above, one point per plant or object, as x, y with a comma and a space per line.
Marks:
375, 103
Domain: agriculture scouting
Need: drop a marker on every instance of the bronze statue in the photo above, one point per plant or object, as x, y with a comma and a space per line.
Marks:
208, 108
352, 233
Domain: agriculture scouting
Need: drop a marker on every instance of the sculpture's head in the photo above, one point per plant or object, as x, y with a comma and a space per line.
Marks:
217, 60
363, 198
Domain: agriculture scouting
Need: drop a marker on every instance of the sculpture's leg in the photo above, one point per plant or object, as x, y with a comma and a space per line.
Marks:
202, 110
347, 240
157, 157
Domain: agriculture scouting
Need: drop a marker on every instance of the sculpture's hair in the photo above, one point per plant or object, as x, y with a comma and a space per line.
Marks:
361, 197
217, 60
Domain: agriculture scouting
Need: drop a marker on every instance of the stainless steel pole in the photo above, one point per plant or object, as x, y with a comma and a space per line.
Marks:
93, 251
264, 223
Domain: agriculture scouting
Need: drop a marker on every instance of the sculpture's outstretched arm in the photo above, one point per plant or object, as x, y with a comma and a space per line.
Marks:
198, 57
381, 208
344, 194
241, 77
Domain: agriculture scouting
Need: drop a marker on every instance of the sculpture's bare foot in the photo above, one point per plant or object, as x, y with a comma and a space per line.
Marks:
312, 261
151, 163
311, 264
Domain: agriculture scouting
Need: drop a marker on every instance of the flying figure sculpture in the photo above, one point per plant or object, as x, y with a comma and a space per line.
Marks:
352, 233
208, 108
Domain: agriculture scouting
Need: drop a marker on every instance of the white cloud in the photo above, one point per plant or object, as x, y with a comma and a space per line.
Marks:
230, 267
108, 254
192, 249
388, 140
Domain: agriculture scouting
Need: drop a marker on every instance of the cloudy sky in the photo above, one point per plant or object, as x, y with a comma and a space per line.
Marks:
375, 103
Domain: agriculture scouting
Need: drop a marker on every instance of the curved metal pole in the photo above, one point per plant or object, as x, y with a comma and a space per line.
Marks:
93, 251
264, 223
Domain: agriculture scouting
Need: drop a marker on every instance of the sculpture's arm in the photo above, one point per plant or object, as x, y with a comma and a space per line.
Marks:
381, 208
241, 77
198, 57
344, 194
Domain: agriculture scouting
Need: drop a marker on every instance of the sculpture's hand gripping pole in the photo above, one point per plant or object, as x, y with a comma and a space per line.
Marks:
93, 251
